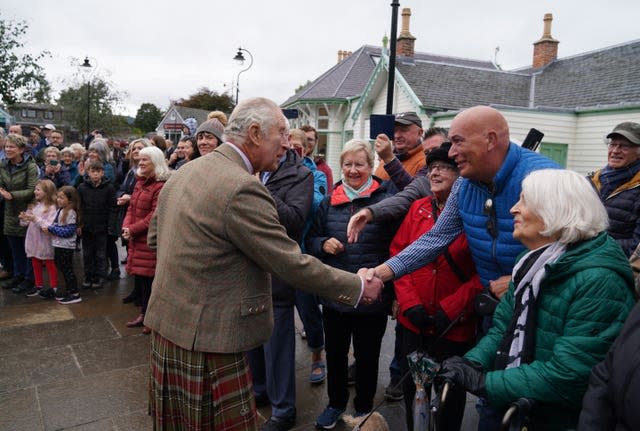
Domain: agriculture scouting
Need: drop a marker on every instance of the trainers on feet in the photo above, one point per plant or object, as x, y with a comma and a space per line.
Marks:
86, 284
34, 291
329, 417
47, 293
97, 283
393, 392
70, 298
113, 275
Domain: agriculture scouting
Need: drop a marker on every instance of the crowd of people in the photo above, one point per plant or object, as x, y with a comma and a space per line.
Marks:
237, 225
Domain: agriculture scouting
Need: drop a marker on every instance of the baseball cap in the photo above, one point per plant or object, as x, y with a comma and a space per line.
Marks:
407, 118
50, 127
628, 130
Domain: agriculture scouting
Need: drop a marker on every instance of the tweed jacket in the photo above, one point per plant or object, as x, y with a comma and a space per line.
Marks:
218, 238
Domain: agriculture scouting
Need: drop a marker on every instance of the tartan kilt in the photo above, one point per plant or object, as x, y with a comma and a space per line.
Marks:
199, 391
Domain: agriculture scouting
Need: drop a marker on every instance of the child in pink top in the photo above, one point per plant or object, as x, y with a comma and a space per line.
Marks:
37, 243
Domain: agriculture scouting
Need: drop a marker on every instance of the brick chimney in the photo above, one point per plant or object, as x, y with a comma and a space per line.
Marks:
406, 41
343, 54
546, 49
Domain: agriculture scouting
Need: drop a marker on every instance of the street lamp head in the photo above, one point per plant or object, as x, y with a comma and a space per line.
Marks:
86, 63
239, 57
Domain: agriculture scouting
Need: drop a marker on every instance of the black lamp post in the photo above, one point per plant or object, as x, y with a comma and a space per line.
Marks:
240, 59
86, 71
392, 56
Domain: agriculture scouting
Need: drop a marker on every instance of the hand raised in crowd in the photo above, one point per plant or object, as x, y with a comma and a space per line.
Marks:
332, 246
384, 148
51, 169
357, 222
372, 288
500, 286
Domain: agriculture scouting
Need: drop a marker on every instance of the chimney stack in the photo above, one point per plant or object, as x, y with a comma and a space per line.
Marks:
406, 41
545, 50
343, 54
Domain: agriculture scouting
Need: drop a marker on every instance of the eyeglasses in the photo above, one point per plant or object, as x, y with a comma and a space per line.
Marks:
623, 146
442, 167
489, 210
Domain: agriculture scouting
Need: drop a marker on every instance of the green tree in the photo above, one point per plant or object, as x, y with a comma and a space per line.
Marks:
21, 77
301, 87
208, 100
100, 98
147, 117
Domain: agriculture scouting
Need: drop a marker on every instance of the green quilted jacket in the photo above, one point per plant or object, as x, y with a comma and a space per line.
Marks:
582, 305
20, 181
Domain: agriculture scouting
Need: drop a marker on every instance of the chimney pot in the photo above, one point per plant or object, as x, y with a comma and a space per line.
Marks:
406, 41
545, 50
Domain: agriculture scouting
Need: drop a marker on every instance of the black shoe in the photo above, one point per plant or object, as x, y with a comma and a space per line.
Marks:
278, 424
130, 298
393, 392
113, 275
70, 298
97, 283
47, 293
351, 374
12, 282
23, 287
34, 291
86, 284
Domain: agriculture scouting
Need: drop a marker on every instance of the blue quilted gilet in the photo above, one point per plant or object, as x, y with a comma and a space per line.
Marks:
495, 257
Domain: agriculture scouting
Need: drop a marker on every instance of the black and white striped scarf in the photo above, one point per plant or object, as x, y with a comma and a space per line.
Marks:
527, 275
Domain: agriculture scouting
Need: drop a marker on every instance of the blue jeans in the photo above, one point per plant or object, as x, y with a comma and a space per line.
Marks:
21, 265
273, 365
309, 310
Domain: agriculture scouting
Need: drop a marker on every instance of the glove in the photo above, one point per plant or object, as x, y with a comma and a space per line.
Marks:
464, 373
418, 317
441, 321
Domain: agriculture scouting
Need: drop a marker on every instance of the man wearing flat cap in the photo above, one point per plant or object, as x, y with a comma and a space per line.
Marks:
618, 184
407, 137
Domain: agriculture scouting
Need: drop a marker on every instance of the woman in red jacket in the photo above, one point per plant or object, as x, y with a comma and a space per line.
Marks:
151, 174
437, 294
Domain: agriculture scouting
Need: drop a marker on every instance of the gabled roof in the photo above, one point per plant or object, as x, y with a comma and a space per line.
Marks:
604, 77
199, 114
349, 77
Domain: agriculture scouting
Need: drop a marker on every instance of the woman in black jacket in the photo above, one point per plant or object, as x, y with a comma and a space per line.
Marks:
327, 240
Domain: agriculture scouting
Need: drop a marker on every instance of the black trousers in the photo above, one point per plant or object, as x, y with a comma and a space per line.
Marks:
452, 411
367, 332
94, 254
144, 284
63, 258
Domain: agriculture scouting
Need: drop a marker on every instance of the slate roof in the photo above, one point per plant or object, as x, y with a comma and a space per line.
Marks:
349, 77
603, 77
199, 114
444, 87
608, 76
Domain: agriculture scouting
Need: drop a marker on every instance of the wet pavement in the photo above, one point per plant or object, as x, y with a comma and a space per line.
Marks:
78, 367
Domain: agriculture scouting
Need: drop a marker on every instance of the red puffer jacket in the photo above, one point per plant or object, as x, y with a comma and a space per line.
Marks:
436, 285
142, 259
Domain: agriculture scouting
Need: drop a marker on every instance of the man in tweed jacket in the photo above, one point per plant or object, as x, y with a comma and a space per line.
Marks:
218, 238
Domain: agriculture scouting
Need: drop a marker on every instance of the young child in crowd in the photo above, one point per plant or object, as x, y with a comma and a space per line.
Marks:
37, 243
63, 230
97, 196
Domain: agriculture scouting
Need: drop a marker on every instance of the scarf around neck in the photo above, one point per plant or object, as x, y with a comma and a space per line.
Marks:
527, 275
352, 193
611, 179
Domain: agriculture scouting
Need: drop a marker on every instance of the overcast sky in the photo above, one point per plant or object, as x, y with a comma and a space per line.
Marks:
165, 50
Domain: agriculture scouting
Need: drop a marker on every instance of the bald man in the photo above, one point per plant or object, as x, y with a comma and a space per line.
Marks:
491, 171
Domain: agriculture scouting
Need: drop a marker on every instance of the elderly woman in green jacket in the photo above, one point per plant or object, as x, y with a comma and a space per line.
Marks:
18, 176
567, 302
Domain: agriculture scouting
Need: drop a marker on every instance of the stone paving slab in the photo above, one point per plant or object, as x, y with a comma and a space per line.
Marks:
19, 411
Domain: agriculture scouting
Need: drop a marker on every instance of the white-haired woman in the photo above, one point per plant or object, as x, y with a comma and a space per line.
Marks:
569, 296
151, 174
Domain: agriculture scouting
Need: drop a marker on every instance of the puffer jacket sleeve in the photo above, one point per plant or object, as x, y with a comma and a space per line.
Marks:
594, 317
317, 235
396, 207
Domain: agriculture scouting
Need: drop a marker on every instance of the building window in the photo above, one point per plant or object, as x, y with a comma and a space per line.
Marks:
48, 115
28, 113
323, 119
